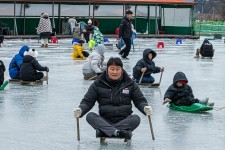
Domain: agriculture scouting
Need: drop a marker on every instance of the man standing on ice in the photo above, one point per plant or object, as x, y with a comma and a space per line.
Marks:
114, 91
125, 33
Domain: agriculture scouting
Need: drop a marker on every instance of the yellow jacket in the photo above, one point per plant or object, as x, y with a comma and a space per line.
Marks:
77, 51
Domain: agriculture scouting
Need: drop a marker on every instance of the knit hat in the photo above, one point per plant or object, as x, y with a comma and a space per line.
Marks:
32, 53
129, 12
89, 21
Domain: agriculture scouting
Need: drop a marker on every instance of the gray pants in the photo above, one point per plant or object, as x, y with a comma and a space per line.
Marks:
108, 128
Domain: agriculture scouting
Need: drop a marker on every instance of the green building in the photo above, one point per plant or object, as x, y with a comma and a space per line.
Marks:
174, 17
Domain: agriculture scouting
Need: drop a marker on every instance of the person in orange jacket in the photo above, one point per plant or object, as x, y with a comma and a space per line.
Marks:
78, 50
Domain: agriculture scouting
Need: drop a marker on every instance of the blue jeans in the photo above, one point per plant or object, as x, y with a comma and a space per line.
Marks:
146, 79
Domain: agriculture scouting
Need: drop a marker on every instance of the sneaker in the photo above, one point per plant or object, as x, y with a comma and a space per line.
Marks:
204, 101
124, 134
211, 104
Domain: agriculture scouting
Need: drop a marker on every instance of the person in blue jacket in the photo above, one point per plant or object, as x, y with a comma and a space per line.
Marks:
16, 62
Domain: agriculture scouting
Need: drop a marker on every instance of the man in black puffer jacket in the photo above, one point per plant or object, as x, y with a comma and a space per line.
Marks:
125, 32
114, 91
180, 93
147, 66
28, 70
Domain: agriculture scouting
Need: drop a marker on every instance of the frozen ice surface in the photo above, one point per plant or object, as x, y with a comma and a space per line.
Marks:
41, 117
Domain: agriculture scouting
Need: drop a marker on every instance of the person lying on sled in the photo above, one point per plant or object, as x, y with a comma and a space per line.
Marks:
114, 91
180, 93
147, 66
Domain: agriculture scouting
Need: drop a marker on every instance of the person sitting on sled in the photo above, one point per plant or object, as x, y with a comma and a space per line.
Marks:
147, 66
97, 38
180, 93
206, 49
16, 62
114, 91
28, 70
2, 70
88, 30
95, 63
78, 50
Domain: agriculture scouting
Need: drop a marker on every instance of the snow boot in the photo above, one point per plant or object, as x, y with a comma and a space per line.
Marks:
211, 104
46, 45
204, 101
42, 45
124, 134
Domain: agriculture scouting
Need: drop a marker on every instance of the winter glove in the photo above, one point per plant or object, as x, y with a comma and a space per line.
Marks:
77, 112
47, 69
148, 110
166, 101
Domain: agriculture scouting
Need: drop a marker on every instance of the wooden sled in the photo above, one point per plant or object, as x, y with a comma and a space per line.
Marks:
14, 80
80, 58
150, 85
90, 78
38, 82
102, 139
201, 57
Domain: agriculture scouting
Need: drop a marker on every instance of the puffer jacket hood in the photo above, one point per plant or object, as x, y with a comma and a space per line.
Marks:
205, 41
23, 49
100, 48
146, 52
179, 76
28, 59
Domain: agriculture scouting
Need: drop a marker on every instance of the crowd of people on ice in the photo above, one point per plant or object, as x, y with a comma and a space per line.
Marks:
113, 88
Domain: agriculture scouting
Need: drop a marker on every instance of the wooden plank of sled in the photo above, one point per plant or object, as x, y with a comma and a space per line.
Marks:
90, 78
14, 80
31, 82
102, 139
201, 57
79, 58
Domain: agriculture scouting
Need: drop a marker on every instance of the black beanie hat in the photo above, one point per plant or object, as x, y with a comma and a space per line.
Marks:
129, 12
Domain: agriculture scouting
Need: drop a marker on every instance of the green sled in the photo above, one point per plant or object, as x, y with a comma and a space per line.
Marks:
196, 107
4, 85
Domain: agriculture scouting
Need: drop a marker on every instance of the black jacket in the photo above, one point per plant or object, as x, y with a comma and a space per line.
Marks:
29, 68
145, 62
2, 70
206, 49
179, 95
125, 29
114, 100
89, 29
